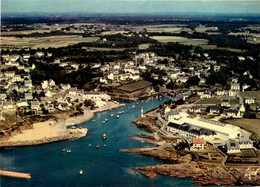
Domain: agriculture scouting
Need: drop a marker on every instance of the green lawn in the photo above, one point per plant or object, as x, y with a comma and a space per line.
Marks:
135, 86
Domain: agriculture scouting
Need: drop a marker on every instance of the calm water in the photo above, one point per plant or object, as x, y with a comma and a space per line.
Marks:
105, 166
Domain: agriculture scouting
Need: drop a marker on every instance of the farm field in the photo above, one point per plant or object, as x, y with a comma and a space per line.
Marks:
181, 40
45, 42
135, 86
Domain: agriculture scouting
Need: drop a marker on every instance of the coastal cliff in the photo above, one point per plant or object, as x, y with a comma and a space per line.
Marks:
204, 175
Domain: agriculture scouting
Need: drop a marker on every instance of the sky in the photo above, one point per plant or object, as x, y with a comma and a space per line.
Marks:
130, 6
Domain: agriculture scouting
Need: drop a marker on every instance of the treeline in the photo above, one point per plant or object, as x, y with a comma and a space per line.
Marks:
170, 49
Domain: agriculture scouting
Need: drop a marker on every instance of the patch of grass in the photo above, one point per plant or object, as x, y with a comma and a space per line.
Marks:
209, 101
251, 125
135, 86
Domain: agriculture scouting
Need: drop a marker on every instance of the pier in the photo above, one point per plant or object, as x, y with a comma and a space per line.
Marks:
15, 174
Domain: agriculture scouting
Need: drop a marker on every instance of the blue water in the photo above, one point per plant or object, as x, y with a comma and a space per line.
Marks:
105, 166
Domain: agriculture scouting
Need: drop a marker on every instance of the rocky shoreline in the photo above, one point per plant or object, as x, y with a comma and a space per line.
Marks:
72, 135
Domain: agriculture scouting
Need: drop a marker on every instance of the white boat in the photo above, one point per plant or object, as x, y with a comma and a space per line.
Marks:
81, 172
104, 136
68, 151
103, 122
93, 120
133, 106
112, 115
117, 116
119, 112
89, 145
122, 111
106, 119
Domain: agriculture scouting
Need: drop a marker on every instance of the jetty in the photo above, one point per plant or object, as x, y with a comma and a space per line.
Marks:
15, 174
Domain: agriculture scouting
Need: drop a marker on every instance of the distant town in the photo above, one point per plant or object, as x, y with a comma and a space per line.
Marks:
208, 70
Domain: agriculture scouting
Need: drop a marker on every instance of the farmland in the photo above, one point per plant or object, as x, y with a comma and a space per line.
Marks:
181, 40
135, 86
45, 42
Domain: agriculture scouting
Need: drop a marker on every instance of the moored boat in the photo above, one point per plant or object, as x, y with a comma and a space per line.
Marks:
104, 136
81, 172
97, 146
117, 116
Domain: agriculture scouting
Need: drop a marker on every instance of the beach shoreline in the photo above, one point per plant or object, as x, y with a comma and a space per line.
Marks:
52, 131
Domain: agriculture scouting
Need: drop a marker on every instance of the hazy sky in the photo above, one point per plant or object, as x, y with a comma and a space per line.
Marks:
130, 6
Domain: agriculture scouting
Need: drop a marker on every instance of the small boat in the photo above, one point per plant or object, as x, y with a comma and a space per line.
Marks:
104, 145
133, 106
63, 150
93, 120
117, 116
104, 136
89, 145
103, 122
106, 119
112, 115
81, 172
68, 151
97, 146
122, 111
119, 112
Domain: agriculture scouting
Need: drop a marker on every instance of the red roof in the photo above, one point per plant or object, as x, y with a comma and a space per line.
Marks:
198, 141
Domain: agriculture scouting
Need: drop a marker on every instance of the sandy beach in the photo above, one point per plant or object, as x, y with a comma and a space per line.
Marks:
50, 130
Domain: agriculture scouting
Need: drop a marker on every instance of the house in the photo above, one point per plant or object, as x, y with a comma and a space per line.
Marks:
216, 68
49, 107
246, 144
232, 93
51, 82
205, 95
214, 109
35, 105
225, 102
9, 74
48, 93
172, 115
44, 84
182, 79
232, 113
7, 105
110, 76
232, 147
22, 103
24, 89
39, 54
235, 86
28, 83
72, 91
28, 96
220, 92
65, 86
103, 80
200, 92
234, 80
241, 58
198, 144
202, 81
63, 106
249, 100
3, 96
196, 109
17, 78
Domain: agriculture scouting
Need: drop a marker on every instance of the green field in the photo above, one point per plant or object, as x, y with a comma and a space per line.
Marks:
135, 86
181, 40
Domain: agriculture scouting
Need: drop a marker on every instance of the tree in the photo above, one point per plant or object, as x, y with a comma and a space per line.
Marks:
193, 80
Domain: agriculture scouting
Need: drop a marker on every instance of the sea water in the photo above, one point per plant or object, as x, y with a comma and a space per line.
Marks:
105, 166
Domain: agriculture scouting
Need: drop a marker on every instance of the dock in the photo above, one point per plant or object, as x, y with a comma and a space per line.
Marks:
15, 174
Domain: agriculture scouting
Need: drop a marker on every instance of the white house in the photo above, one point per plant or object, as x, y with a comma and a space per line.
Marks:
232, 113
22, 103
249, 100
232, 147
172, 115
225, 102
28, 96
7, 105
235, 86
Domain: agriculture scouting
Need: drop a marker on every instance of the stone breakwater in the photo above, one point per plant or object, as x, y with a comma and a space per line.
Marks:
72, 135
